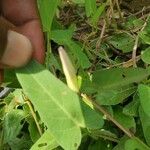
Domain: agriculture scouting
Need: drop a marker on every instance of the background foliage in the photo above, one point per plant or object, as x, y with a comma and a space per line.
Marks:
93, 95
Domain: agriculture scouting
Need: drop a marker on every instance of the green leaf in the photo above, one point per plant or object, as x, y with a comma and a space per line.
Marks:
23, 143
118, 77
122, 41
126, 121
144, 93
95, 18
90, 7
79, 1
134, 143
146, 55
78, 53
131, 109
116, 96
58, 106
12, 124
10, 79
100, 145
121, 144
93, 120
63, 37
3, 108
145, 36
34, 133
145, 120
46, 142
47, 9
103, 133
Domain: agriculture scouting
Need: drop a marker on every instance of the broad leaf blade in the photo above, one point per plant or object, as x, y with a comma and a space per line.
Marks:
98, 13
135, 144
123, 41
90, 7
146, 55
47, 10
145, 121
63, 37
46, 142
118, 77
115, 96
58, 106
144, 93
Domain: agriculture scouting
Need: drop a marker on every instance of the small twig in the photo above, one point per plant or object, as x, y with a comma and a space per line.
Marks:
126, 64
119, 10
136, 44
112, 15
98, 44
141, 11
34, 116
111, 8
134, 51
94, 104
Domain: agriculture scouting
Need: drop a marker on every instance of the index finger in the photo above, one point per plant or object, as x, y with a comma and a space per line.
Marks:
24, 14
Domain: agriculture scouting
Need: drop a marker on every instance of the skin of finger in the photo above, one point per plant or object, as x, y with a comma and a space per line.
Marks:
24, 14
21, 13
33, 31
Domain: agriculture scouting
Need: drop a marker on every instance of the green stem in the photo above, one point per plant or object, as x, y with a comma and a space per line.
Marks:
34, 117
102, 110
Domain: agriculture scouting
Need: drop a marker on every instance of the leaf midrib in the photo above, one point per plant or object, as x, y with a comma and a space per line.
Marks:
52, 97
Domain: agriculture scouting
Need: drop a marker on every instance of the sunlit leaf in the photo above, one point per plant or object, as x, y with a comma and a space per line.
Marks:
53, 98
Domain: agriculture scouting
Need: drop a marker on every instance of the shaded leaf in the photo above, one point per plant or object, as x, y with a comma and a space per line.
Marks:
13, 125
116, 96
63, 37
131, 109
93, 119
121, 144
118, 77
126, 121
100, 145
145, 120
134, 143
146, 55
144, 94
122, 41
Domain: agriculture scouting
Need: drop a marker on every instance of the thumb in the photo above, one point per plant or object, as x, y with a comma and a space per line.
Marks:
15, 48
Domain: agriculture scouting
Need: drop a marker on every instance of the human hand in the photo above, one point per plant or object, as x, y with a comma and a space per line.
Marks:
23, 14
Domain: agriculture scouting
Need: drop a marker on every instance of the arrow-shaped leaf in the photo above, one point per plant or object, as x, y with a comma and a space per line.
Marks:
58, 106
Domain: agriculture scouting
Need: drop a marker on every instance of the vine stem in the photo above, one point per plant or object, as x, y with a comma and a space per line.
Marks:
134, 51
119, 10
98, 44
34, 117
102, 110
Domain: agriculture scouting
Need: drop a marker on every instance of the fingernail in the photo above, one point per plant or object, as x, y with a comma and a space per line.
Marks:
18, 50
